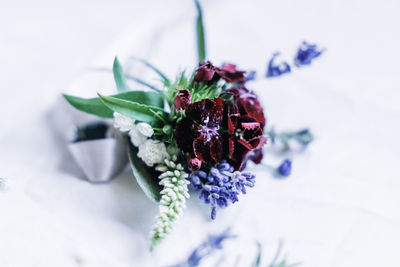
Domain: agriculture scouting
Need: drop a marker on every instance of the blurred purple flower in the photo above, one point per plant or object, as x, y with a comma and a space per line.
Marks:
306, 54
250, 76
213, 243
277, 66
285, 168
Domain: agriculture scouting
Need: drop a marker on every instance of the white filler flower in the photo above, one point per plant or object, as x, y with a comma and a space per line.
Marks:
136, 137
173, 198
122, 122
152, 152
145, 129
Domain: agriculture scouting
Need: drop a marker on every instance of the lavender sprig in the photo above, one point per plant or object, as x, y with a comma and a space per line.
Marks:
221, 185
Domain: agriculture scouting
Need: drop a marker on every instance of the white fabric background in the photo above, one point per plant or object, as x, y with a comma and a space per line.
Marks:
339, 208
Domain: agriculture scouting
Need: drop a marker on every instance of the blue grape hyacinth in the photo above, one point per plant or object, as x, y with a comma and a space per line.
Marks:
276, 66
285, 168
306, 53
221, 185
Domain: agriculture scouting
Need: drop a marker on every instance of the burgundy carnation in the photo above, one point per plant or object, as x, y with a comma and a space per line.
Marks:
207, 72
245, 139
182, 99
247, 104
198, 133
229, 73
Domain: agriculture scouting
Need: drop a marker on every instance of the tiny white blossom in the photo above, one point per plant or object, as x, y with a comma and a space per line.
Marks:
136, 137
145, 129
122, 122
152, 152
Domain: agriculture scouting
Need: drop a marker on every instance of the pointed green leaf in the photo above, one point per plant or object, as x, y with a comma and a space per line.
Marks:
134, 110
119, 76
96, 107
146, 177
166, 81
201, 46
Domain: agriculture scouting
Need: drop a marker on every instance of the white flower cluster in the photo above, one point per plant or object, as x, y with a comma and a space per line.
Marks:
150, 151
173, 198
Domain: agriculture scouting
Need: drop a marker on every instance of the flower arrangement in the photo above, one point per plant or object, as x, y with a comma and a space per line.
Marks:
200, 129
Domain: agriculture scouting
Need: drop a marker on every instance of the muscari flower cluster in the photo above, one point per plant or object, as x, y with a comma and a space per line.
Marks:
221, 185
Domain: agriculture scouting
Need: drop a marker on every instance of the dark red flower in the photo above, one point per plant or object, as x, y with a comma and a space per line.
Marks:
245, 139
207, 72
182, 99
247, 104
229, 73
199, 132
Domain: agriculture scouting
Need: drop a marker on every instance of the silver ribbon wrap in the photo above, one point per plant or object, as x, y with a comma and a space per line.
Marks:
100, 160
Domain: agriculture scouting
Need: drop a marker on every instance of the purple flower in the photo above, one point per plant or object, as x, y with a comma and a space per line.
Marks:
306, 53
213, 243
285, 168
221, 185
276, 66
250, 76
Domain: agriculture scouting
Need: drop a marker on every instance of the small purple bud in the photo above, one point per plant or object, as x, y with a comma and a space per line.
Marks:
196, 180
285, 168
213, 213
202, 174
207, 187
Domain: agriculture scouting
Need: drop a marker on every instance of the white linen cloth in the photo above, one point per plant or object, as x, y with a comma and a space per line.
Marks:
341, 205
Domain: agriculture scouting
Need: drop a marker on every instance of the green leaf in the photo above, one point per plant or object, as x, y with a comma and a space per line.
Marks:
166, 81
258, 258
119, 77
201, 46
146, 177
134, 110
96, 107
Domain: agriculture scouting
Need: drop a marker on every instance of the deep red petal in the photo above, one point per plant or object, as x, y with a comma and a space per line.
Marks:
205, 72
184, 135
216, 149
182, 100
201, 149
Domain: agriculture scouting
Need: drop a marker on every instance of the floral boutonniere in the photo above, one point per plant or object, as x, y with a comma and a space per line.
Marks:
200, 129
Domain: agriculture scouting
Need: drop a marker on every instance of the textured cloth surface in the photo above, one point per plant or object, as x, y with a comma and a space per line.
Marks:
340, 206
